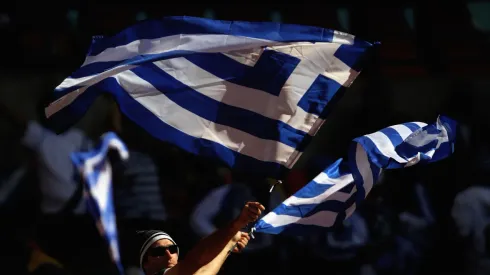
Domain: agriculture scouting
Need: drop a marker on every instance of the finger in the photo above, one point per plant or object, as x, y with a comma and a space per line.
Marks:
252, 217
244, 242
245, 236
257, 205
238, 248
241, 245
254, 210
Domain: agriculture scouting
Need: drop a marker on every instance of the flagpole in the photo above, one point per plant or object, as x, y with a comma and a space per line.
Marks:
274, 185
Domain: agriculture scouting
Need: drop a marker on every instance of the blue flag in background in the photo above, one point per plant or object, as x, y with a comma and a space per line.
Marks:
96, 172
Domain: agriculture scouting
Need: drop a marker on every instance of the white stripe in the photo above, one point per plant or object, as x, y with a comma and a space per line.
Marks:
276, 220
337, 185
323, 178
248, 57
94, 79
192, 42
343, 38
325, 196
385, 146
195, 43
198, 127
101, 189
402, 130
67, 99
179, 42
321, 218
364, 168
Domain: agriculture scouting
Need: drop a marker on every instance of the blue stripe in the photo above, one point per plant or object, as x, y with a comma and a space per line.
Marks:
160, 130
312, 189
352, 55
99, 67
303, 229
375, 171
319, 95
269, 74
392, 135
356, 174
307, 210
218, 112
372, 151
177, 25
412, 126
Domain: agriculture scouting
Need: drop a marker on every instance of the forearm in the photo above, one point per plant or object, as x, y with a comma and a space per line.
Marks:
215, 265
210, 247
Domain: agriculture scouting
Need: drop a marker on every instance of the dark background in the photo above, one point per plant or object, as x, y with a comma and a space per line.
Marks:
433, 59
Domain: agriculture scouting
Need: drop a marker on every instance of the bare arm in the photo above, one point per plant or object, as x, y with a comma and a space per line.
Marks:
215, 265
215, 247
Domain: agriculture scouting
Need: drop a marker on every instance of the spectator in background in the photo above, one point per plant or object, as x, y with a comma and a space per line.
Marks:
220, 206
63, 213
470, 214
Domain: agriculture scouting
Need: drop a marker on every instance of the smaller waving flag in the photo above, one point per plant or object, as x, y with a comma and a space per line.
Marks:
332, 196
96, 172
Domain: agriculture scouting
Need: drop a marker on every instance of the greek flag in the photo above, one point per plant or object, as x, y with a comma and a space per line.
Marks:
95, 171
249, 94
333, 195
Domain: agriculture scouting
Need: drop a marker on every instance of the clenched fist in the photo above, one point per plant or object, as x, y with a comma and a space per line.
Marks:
250, 213
241, 239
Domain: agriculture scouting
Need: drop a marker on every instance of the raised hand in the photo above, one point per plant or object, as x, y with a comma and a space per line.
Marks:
242, 239
250, 213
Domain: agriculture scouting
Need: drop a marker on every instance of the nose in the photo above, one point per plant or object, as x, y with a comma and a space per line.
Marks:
167, 253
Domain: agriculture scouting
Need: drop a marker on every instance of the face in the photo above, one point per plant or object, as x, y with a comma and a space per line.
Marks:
160, 258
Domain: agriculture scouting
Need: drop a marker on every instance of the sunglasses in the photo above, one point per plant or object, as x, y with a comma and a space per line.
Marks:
161, 250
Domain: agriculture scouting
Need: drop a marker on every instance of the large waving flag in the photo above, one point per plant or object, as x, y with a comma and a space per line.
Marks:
95, 171
249, 94
332, 196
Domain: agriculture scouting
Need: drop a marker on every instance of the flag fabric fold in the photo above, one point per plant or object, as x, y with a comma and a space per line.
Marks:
247, 93
333, 195
96, 174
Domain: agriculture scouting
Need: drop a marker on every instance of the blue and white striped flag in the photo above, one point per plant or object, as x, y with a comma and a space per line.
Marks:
249, 94
96, 173
332, 196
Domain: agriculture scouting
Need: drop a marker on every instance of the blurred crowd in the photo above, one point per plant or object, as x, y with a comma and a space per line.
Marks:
421, 220
431, 219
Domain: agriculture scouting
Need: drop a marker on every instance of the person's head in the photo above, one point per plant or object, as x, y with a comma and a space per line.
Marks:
158, 251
